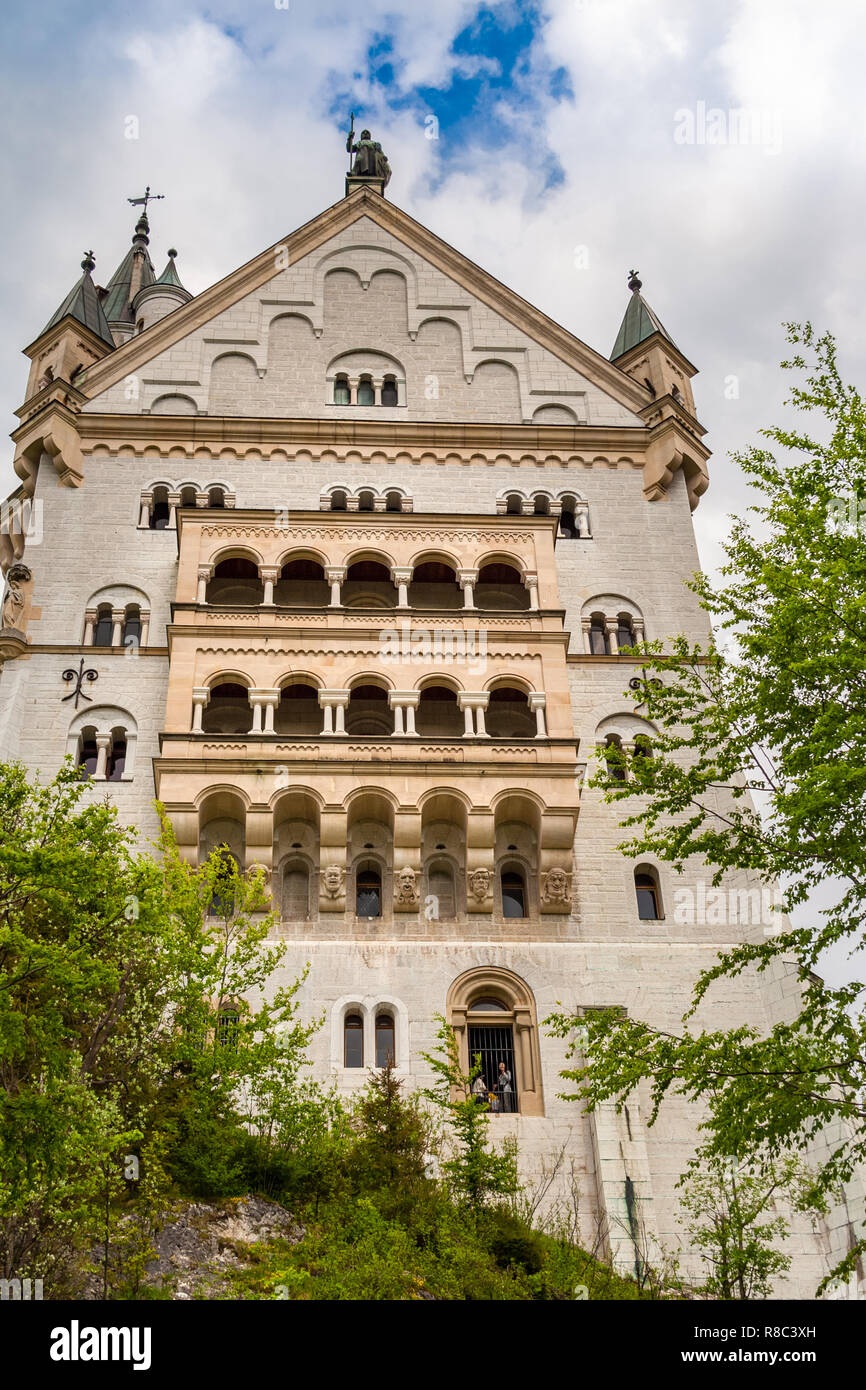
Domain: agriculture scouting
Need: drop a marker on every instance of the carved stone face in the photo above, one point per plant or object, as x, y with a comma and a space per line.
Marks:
332, 877
479, 883
556, 887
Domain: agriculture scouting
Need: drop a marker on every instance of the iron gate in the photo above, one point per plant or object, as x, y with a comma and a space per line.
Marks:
495, 1045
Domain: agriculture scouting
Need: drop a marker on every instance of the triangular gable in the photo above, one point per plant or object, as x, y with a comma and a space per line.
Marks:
131, 356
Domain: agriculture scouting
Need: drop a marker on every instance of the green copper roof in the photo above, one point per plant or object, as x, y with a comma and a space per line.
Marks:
83, 303
639, 322
170, 276
117, 305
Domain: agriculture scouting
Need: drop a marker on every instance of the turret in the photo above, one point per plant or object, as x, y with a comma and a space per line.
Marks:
134, 273
75, 336
154, 301
647, 352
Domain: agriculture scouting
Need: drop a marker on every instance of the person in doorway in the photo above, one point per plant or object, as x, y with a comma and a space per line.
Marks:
479, 1091
503, 1086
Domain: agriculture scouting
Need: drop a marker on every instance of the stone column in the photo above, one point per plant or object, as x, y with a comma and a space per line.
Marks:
200, 698
117, 617
334, 702
335, 575
531, 584
173, 504
204, 574
377, 383
146, 504
354, 383
145, 627
103, 743
586, 626
401, 575
255, 698
269, 575
468, 717
467, 579
482, 701
581, 519
398, 714
89, 625
610, 628
410, 702
537, 703
477, 700
269, 700
639, 631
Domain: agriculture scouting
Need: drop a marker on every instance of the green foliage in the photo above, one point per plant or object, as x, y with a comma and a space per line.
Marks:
475, 1172
775, 709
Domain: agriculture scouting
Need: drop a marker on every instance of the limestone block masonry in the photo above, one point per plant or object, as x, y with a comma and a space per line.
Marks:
348, 552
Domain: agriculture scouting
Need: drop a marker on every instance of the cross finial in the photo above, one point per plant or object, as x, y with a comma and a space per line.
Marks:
633, 282
148, 198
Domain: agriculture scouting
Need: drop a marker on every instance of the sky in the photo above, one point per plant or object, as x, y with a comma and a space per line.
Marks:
718, 149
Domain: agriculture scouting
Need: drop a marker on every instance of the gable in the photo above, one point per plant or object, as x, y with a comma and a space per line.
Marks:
372, 294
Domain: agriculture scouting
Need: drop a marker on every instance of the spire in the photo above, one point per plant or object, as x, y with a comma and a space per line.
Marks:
639, 321
170, 276
134, 272
83, 304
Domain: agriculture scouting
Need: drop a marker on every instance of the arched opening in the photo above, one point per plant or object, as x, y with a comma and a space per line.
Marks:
353, 1041
188, 497
386, 1046
513, 504
434, 585
568, 525
389, 391
342, 393
437, 715
441, 887
541, 506
302, 584
643, 749
368, 890
216, 497
599, 642
491, 1049
624, 631
499, 586
648, 894
367, 714
613, 758
366, 394
224, 890
222, 837
366, 501
228, 711
116, 760
160, 511
88, 754
393, 502
513, 890
228, 1028
131, 636
338, 501
102, 632
368, 584
235, 583
295, 906
298, 715
509, 715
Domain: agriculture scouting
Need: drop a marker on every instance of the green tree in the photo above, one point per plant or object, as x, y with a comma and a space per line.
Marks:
735, 1225
760, 765
476, 1172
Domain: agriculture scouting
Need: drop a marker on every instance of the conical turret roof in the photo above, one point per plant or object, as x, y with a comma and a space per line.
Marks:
126, 280
170, 276
639, 321
83, 303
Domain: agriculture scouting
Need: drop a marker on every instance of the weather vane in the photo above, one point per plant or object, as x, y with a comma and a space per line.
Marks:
148, 198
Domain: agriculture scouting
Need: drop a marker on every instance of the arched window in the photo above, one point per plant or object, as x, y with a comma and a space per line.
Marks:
385, 1041
642, 747
342, 394
542, 506
440, 886
228, 711
493, 1014
393, 501
235, 582
116, 761
500, 586
102, 633
159, 510
338, 501
514, 504
491, 1047
368, 714
646, 887
368, 892
366, 394
599, 643
368, 584
624, 631
188, 497
87, 754
296, 893
509, 715
613, 755
223, 895
513, 893
353, 1041
366, 501
568, 525
216, 497
389, 391
131, 636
